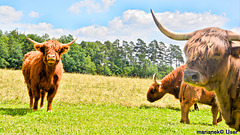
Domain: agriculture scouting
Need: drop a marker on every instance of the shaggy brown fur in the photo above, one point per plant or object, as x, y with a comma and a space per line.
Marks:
169, 84
216, 61
191, 94
42, 70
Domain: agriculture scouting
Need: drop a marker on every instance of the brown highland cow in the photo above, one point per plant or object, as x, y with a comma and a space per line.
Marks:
213, 57
169, 84
42, 71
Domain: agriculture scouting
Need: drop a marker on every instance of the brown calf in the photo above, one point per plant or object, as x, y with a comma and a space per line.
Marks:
191, 94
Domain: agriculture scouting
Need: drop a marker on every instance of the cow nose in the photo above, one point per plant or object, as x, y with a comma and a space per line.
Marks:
191, 76
51, 56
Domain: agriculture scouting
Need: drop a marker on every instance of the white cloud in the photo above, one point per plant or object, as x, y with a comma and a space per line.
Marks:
107, 3
42, 28
91, 6
135, 24
34, 14
9, 14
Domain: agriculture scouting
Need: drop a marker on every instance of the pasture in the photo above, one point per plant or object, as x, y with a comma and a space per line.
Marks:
87, 104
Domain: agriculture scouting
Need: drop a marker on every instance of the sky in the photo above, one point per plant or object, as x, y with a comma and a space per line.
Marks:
102, 20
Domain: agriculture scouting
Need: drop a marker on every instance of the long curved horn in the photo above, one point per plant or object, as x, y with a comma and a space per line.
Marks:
169, 33
155, 79
68, 44
233, 36
34, 42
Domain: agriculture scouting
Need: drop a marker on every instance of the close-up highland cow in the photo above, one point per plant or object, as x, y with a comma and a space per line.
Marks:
213, 62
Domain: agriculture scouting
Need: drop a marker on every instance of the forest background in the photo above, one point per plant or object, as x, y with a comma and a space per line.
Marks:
118, 58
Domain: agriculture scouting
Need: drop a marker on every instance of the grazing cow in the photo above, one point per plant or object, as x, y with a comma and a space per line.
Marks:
188, 95
191, 94
43, 69
213, 62
169, 84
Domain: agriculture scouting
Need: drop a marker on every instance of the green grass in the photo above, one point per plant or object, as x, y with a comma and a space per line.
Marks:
87, 104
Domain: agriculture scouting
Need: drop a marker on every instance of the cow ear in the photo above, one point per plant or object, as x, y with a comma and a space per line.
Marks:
38, 47
64, 49
235, 50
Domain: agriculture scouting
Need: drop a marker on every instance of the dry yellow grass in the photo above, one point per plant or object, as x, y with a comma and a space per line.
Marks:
87, 89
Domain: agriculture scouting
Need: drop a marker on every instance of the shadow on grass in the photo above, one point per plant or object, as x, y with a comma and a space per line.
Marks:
15, 111
204, 124
168, 107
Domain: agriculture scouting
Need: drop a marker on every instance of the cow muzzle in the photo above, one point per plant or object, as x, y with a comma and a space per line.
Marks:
51, 59
193, 77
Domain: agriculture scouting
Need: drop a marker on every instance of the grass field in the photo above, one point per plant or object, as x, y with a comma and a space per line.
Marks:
87, 104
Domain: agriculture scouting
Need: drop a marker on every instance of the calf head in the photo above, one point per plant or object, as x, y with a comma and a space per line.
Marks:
51, 50
155, 91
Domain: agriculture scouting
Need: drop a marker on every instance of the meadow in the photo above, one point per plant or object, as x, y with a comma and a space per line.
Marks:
87, 104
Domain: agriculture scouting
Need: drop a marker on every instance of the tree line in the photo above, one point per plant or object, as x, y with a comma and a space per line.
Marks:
109, 58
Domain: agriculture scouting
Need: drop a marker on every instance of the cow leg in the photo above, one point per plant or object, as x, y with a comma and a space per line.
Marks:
50, 96
35, 107
237, 124
36, 94
220, 116
43, 93
185, 106
214, 113
196, 106
30, 96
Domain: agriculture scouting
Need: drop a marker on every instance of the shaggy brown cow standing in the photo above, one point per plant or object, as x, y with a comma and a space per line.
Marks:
43, 69
188, 95
213, 62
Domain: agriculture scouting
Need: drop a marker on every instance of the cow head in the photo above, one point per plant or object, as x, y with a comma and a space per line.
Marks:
155, 91
208, 55
208, 52
51, 50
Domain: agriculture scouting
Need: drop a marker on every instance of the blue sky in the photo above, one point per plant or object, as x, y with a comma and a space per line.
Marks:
92, 20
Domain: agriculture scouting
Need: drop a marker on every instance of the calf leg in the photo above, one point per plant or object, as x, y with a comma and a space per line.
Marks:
185, 106
43, 93
214, 113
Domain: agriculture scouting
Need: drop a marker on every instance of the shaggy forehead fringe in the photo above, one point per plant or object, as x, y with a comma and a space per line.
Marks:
52, 44
206, 43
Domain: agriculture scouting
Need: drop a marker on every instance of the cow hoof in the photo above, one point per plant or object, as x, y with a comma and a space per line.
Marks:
35, 109
219, 120
187, 122
49, 111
